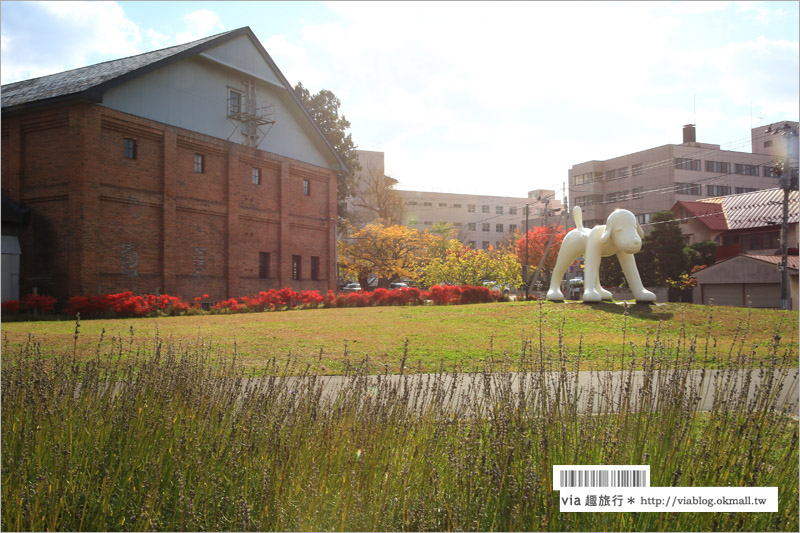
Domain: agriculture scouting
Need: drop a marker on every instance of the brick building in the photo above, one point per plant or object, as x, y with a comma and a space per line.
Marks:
188, 170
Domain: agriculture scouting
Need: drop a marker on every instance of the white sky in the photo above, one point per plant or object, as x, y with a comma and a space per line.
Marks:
473, 97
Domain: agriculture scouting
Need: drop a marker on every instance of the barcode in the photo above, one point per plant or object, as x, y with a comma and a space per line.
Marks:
603, 478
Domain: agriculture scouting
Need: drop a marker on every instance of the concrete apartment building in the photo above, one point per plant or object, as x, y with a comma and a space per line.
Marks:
480, 221
654, 180
189, 170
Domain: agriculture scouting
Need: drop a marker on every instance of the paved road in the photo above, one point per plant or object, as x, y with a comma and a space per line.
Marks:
592, 391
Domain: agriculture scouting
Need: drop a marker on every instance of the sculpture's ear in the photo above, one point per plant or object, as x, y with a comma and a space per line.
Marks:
639, 230
606, 234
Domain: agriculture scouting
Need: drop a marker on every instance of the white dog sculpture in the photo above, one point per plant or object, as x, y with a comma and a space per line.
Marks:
621, 235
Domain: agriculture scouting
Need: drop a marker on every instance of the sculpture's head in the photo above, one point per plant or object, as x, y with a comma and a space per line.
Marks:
624, 230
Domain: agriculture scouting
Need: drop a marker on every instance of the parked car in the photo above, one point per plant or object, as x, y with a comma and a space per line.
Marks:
505, 289
398, 285
352, 287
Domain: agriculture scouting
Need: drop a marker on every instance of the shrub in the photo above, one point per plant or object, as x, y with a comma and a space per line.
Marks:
40, 302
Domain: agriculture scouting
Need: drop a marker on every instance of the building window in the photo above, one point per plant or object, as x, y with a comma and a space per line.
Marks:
746, 170
428, 223
457, 224
234, 102
512, 228
471, 244
263, 265
769, 172
687, 188
617, 173
683, 163
427, 204
644, 218
498, 228
470, 208
638, 192
442, 204
485, 226
718, 166
471, 226
742, 190
256, 176
587, 177
485, 209
617, 196
296, 267
591, 199
637, 169
486, 245
767, 144
306, 187
498, 210
199, 163
718, 190
314, 268
129, 148
458, 206
411, 202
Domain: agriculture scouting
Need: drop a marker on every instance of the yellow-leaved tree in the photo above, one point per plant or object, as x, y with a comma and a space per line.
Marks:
461, 265
388, 252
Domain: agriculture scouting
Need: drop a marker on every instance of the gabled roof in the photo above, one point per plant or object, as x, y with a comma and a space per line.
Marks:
756, 209
748, 210
90, 83
709, 214
792, 261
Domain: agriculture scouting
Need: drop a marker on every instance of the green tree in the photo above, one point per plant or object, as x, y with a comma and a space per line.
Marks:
324, 109
662, 257
702, 253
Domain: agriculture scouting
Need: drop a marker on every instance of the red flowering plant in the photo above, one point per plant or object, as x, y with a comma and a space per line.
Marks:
10, 307
40, 302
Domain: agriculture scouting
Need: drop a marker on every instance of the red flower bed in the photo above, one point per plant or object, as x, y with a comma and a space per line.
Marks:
126, 304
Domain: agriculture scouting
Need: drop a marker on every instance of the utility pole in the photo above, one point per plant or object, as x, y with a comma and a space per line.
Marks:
784, 171
525, 267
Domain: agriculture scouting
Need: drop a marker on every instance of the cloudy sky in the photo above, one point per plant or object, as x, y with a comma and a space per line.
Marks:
473, 97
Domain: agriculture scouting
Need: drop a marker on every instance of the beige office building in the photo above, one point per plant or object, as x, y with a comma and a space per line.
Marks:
479, 221
653, 180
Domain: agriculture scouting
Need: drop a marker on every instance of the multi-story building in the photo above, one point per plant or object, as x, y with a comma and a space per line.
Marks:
654, 180
189, 170
372, 197
479, 221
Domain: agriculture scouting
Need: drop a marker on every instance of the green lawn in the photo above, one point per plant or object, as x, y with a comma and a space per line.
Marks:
467, 335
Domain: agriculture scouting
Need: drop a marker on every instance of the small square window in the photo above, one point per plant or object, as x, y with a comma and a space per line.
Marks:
486, 245
130, 148
256, 176
470, 208
485, 226
512, 210
498, 210
199, 163
499, 228
484, 209
234, 102
306, 187
471, 226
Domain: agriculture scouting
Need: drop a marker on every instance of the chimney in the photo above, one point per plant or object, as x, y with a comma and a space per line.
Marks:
688, 134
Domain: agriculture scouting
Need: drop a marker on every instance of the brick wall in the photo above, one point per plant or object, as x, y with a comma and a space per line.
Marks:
105, 223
